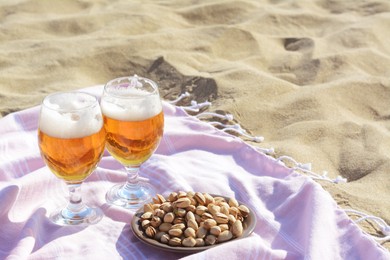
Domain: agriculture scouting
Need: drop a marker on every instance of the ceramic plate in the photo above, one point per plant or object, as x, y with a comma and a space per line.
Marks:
249, 225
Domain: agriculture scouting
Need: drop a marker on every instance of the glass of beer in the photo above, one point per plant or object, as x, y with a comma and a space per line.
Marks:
134, 122
71, 139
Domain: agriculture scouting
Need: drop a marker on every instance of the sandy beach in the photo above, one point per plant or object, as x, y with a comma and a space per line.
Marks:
311, 77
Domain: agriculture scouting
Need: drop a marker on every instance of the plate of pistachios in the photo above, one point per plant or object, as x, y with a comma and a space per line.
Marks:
189, 222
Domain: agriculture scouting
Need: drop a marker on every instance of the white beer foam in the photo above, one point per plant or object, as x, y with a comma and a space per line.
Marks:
131, 105
63, 116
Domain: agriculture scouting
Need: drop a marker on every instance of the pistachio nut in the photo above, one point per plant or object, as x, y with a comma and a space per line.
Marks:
200, 198
237, 228
165, 227
174, 241
210, 240
188, 242
175, 232
225, 236
215, 230
182, 202
243, 210
169, 217
189, 232
150, 231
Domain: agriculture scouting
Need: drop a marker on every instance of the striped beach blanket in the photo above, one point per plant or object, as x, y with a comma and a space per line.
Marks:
296, 218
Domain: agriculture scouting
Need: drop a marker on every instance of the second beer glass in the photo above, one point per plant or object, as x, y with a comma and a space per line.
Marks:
134, 123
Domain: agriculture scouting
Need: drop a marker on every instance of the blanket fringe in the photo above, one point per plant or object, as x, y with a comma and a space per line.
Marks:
306, 168
195, 106
236, 128
384, 228
179, 98
297, 166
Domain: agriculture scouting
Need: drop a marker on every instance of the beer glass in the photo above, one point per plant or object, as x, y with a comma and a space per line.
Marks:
134, 123
71, 139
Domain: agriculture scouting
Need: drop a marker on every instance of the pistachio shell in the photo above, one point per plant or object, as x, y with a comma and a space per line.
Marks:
182, 202
147, 215
209, 198
178, 220
165, 227
148, 207
198, 218
225, 236
159, 235
223, 227
206, 216
150, 231
224, 204
159, 199
175, 232
233, 202
174, 241
243, 210
155, 221
208, 223
201, 232
166, 206
165, 238
145, 223
172, 196
237, 228
224, 209
221, 218
200, 198
188, 242
190, 215
200, 210
159, 213
232, 219
181, 194
155, 206
199, 242
192, 224
210, 240
180, 212
191, 208
215, 230
189, 232
213, 209
234, 211
179, 226
193, 202
169, 217
219, 200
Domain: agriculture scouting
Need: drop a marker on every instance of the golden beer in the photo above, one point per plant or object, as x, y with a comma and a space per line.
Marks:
133, 142
72, 159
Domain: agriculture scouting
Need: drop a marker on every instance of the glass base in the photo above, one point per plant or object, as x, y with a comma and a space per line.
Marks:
121, 195
86, 216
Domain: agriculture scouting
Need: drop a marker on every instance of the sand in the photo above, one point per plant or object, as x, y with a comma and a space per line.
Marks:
312, 77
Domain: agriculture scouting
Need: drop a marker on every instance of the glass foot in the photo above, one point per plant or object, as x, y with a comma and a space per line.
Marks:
86, 216
123, 196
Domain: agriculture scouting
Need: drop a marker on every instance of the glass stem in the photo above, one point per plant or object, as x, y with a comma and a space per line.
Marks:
75, 204
132, 178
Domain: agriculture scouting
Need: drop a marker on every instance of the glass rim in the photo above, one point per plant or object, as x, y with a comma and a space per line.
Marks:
48, 106
117, 81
